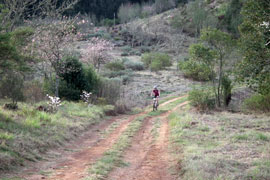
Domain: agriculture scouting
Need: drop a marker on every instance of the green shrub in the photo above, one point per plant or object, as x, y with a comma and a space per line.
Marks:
124, 54
110, 89
92, 79
114, 74
258, 103
195, 70
145, 49
73, 80
226, 84
156, 61
128, 12
11, 86
115, 66
202, 99
134, 65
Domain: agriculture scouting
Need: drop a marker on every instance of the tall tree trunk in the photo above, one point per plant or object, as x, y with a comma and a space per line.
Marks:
219, 79
57, 81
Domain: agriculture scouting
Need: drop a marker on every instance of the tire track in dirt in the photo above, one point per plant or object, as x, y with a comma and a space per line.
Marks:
89, 148
75, 166
148, 161
72, 165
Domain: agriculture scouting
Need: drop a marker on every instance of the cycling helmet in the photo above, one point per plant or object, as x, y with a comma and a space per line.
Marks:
155, 87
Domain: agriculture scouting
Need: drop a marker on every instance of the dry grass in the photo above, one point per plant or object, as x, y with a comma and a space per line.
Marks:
221, 145
27, 134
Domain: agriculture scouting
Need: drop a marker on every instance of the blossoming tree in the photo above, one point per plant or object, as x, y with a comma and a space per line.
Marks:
51, 43
96, 52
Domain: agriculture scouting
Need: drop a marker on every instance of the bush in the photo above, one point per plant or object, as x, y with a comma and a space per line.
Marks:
134, 65
33, 91
156, 61
226, 84
163, 5
92, 79
110, 89
202, 99
128, 12
11, 86
195, 70
115, 66
73, 80
258, 103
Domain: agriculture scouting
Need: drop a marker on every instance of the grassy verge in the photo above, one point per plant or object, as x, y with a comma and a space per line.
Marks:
173, 104
27, 133
156, 127
112, 157
110, 129
221, 145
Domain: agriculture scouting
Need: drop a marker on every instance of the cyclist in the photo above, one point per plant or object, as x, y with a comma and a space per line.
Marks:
155, 93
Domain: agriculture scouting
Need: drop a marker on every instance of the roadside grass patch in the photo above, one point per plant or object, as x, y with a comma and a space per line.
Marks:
260, 170
220, 146
111, 128
112, 157
26, 134
173, 104
156, 127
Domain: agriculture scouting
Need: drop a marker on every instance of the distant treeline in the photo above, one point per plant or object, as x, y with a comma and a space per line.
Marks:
102, 8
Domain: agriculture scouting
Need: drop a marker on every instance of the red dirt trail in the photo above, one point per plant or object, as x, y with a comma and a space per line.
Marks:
148, 160
148, 157
73, 165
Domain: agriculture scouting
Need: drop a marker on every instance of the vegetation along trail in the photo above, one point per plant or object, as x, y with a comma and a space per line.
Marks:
147, 157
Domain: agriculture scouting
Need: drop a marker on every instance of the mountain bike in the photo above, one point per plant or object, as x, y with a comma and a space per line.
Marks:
155, 104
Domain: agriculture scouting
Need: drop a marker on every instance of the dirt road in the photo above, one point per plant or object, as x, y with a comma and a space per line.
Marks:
147, 157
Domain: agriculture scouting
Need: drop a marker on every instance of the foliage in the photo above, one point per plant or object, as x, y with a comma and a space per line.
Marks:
202, 99
110, 89
54, 103
226, 85
13, 13
11, 86
92, 79
164, 5
156, 61
221, 43
128, 12
40, 131
200, 64
33, 91
73, 80
51, 41
115, 66
195, 70
258, 103
199, 17
13, 54
96, 52
134, 65
254, 69
86, 96
232, 18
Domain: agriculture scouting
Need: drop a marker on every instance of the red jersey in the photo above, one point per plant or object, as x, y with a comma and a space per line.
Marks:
156, 92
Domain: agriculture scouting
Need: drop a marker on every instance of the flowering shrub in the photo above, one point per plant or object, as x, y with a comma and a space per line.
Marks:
54, 103
86, 97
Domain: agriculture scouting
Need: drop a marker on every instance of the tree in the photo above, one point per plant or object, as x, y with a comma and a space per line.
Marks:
11, 87
51, 43
255, 44
15, 12
96, 52
221, 43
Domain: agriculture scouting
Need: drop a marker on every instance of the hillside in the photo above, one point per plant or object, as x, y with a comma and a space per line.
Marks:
84, 109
